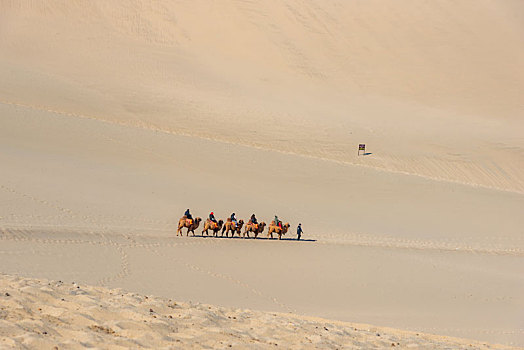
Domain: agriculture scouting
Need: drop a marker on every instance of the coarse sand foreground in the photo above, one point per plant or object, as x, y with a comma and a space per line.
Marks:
37, 313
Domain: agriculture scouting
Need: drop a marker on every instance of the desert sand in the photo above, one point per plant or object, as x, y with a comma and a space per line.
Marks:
53, 314
115, 118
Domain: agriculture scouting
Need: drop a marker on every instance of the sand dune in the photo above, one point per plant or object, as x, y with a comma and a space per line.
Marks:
98, 204
54, 314
115, 117
433, 87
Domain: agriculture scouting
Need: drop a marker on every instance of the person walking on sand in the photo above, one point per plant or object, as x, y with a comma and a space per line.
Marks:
299, 231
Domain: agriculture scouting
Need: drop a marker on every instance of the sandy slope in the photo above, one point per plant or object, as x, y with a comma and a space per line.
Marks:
433, 87
114, 118
53, 314
97, 203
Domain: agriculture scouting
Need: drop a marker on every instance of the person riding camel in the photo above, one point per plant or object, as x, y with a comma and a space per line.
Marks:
233, 218
189, 217
254, 220
212, 217
278, 222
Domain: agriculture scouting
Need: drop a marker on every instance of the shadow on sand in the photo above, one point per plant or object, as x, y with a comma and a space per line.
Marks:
259, 238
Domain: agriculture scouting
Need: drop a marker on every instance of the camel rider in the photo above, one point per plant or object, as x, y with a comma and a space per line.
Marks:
212, 217
188, 215
278, 222
254, 220
233, 218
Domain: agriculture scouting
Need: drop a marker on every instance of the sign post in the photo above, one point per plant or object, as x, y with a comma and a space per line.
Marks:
361, 147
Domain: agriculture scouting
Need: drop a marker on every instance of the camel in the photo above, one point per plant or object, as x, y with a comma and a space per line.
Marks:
231, 226
213, 226
256, 229
191, 225
279, 231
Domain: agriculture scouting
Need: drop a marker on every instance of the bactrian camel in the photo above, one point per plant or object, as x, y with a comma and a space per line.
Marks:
213, 226
229, 225
256, 229
191, 225
277, 229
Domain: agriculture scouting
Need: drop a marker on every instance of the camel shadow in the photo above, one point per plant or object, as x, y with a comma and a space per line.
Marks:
253, 238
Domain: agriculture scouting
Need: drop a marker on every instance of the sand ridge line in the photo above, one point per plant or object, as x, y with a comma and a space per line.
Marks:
142, 125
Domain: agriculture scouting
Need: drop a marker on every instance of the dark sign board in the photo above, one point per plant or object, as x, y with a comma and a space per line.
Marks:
361, 147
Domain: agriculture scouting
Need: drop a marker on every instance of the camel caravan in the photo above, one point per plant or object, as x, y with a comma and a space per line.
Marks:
231, 225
